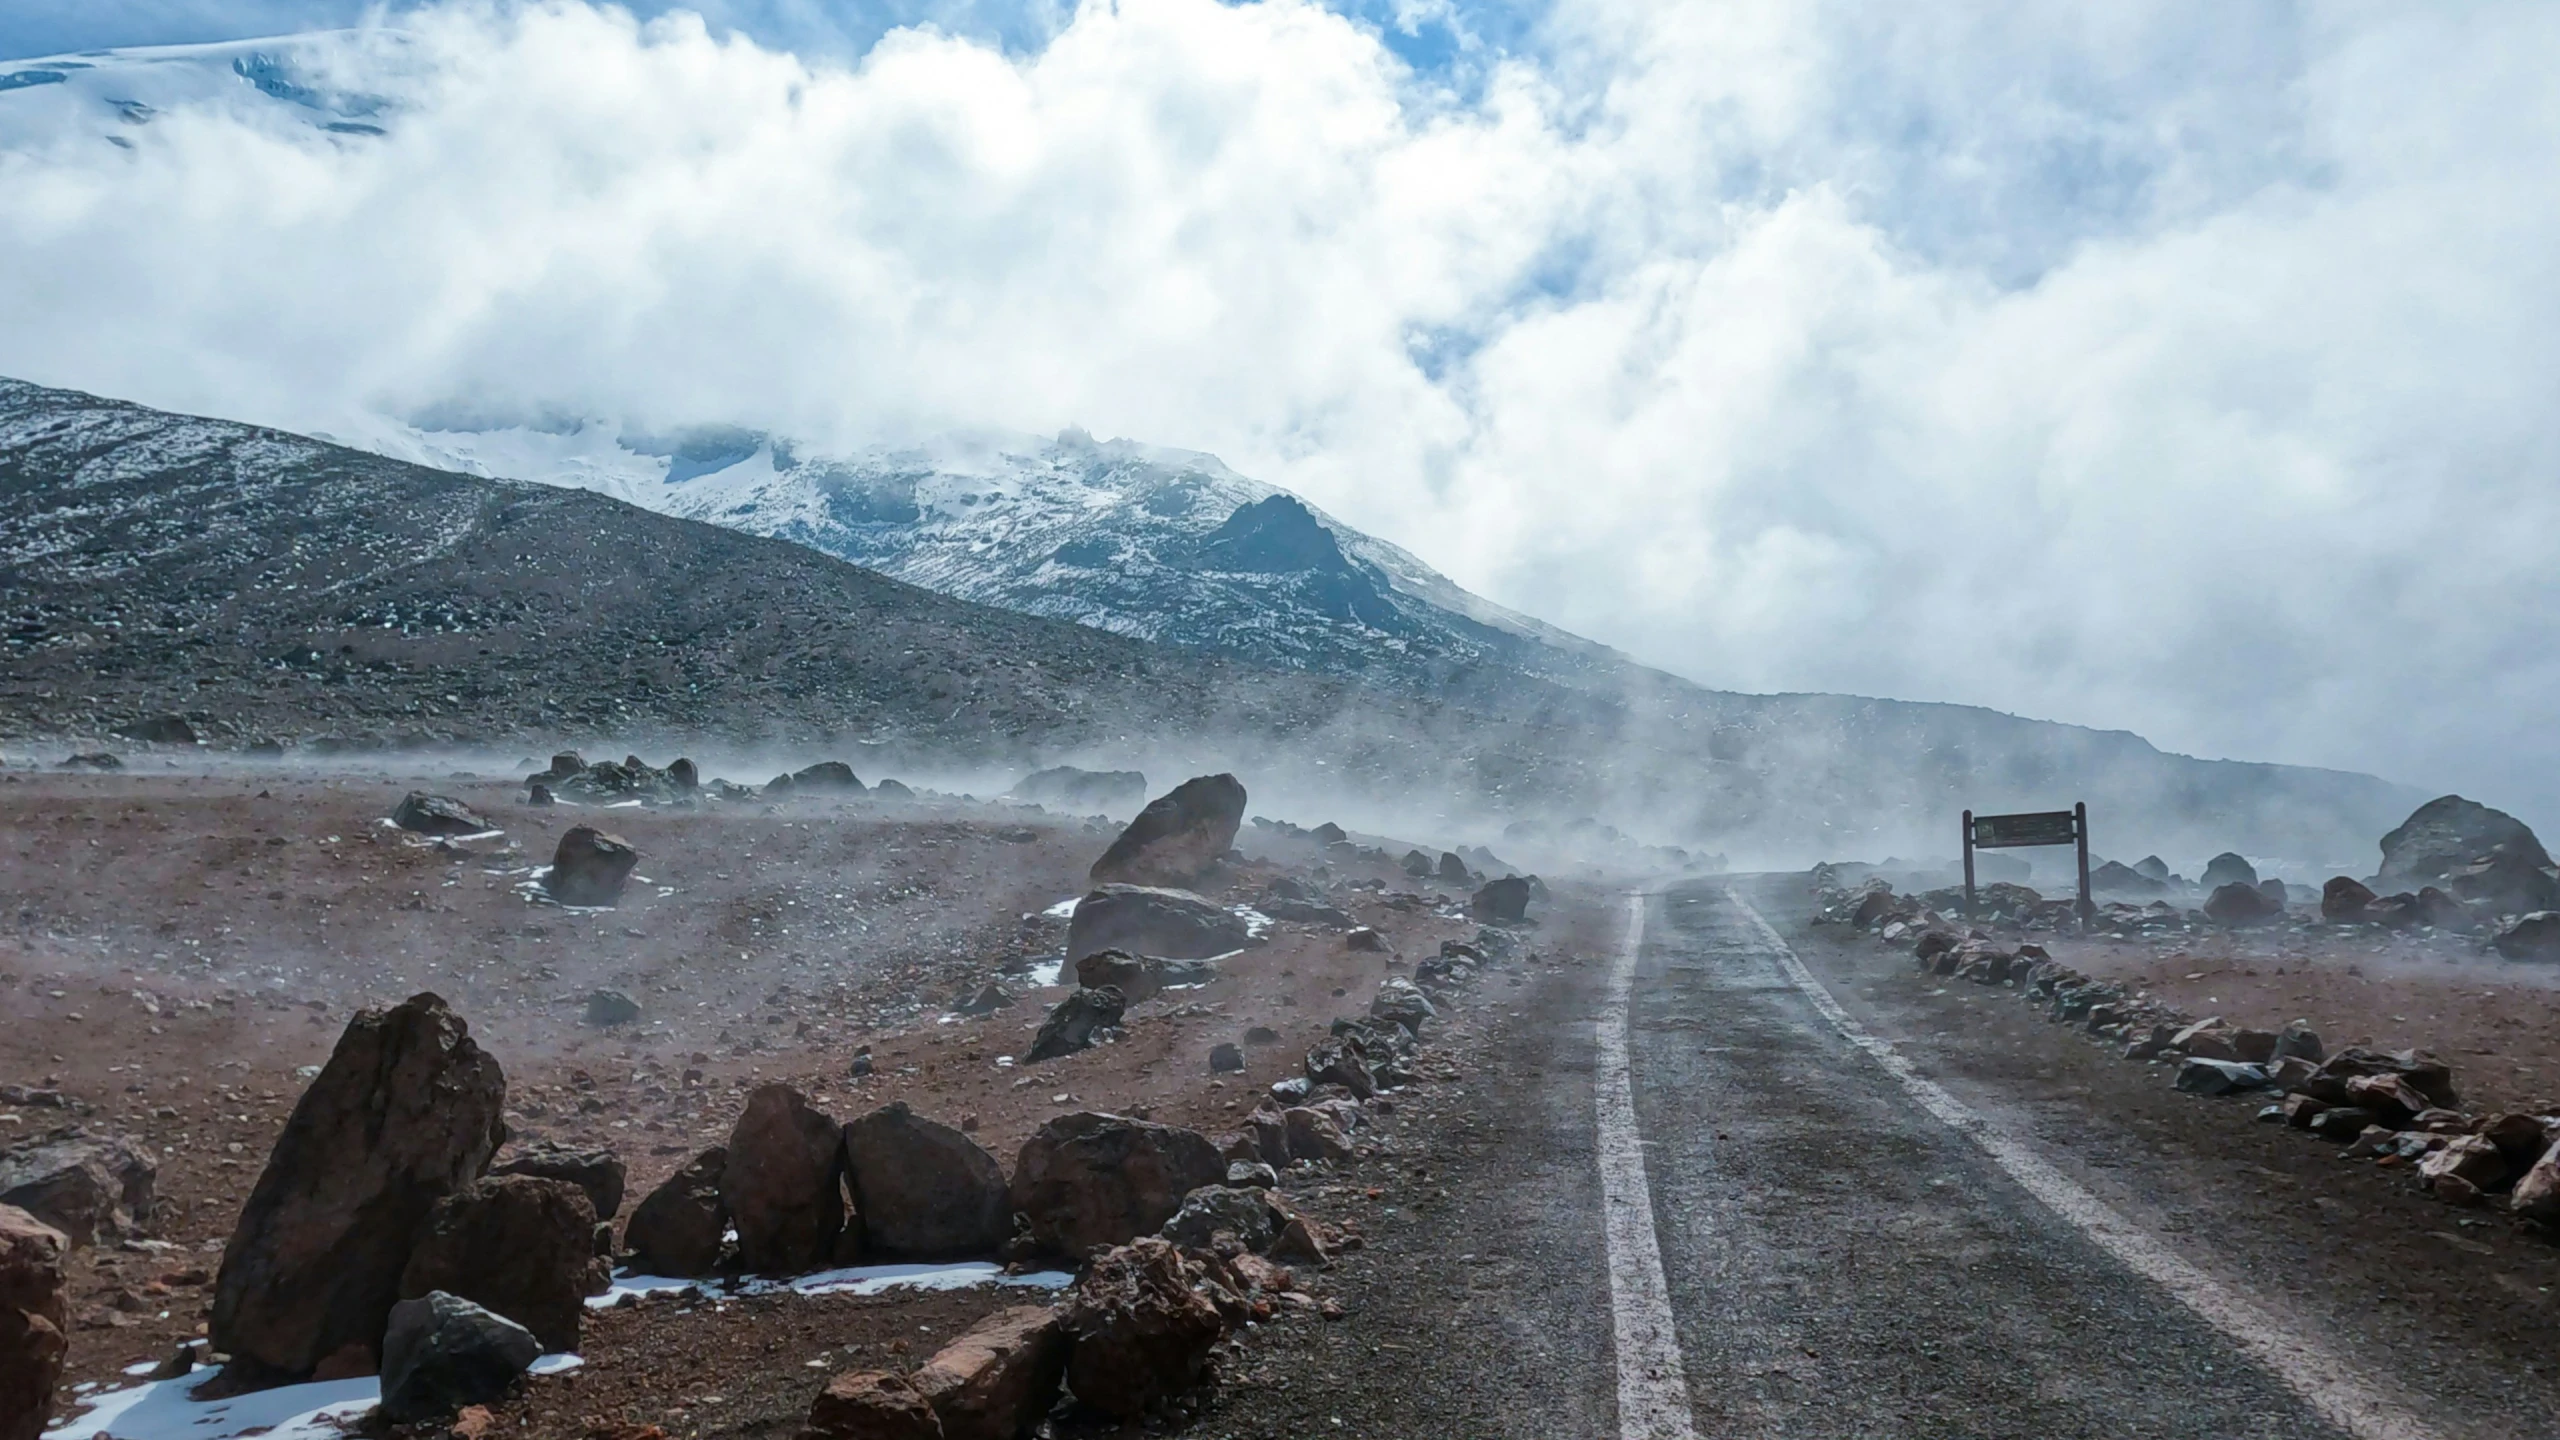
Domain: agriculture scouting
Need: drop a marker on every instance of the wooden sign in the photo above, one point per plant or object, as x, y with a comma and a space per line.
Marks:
2039, 827
2045, 827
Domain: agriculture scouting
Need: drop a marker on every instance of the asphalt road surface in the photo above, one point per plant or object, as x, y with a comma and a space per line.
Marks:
1839, 1247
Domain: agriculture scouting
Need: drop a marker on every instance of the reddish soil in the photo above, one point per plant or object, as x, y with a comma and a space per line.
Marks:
177, 947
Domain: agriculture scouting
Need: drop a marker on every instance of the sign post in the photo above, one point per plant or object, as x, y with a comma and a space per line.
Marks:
2042, 827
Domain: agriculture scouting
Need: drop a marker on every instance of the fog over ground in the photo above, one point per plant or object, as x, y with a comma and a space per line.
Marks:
2179, 367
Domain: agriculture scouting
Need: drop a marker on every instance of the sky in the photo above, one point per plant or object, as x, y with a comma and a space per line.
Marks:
2181, 367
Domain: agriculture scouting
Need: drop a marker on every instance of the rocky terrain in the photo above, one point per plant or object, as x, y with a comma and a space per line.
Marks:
193, 579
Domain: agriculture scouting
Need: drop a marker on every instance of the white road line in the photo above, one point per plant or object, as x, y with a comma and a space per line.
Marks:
1653, 1390
2324, 1381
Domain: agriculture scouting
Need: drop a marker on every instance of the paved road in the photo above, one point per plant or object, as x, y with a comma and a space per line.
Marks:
1841, 1262
1835, 1259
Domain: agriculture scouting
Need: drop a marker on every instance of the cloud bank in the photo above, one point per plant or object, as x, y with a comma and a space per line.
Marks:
2177, 367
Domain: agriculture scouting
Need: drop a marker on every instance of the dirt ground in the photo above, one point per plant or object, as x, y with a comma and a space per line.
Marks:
178, 950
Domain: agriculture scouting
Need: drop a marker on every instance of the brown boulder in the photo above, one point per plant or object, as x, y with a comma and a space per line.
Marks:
89, 1187
590, 867
2344, 899
999, 1379
1178, 836
2537, 1195
678, 1228
784, 1184
2472, 1158
924, 1190
1091, 1179
517, 1245
595, 1170
2390, 1096
2520, 1138
1140, 1331
1313, 1135
870, 1405
2242, 903
405, 1113
1149, 920
437, 815
34, 1325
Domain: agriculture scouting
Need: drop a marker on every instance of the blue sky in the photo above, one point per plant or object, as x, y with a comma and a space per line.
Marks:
2167, 365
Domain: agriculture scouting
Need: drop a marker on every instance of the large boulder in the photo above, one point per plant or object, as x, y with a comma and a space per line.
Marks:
784, 1183
1502, 902
2537, 1195
1091, 1179
2239, 903
827, 776
1140, 977
34, 1325
1139, 1331
89, 1187
590, 867
2344, 899
2114, 877
998, 1380
441, 1352
1146, 920
2505, 883
2531, 937
406, 1111
595, 1170
1402, 1002
1091, 791
2446, 835
870, 1405
678, 1228
1077, 1023
520, 1245
924, 1190
1213, 1210
437, 815
1178, 836
2227, 868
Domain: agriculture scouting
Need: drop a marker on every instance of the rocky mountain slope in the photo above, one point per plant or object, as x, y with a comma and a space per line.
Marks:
278, 586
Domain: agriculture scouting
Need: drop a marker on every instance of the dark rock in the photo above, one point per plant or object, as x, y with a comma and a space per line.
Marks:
2275, 891
519, 1245
595, 1170
1401, 1001
1453, 871
1252, 1175
2227, 868
590, 867
1178, 836
89, 1187
1331, 1062
989, 998
2505, 883
2474, 1159
2219, 1077
1417, 865
35, 1323
1303, 913
2449, 833
608, 1008
1141, 920
678, 1228
2152, 867
405, 1112
1501, 902
2521, 1138
924, 1190
2116, 878
95, 760
999, 1379
1365, 940
1090, 1179
441, 1352
2341, 1123
1077, 1022
2298, 1041
827, 776
2390, 1096
161, 730
2344, 898
1225, 1058
437, 815
2241, 904
2537, 1195
1139, 977
1089, 791
1212, 1209
2441, 910
2531, 937
784, 1183
1139, 1328
538, 794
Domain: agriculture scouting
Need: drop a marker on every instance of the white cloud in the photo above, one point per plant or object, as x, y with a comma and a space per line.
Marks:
2180, 367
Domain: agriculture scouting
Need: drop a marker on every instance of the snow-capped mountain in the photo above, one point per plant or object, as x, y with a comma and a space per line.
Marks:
1157, 544
320, 83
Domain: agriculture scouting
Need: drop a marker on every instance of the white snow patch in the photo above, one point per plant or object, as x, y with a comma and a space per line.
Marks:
168, 1409
856, 1280
1064, 909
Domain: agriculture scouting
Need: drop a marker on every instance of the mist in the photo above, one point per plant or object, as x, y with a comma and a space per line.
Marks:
2153, 367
